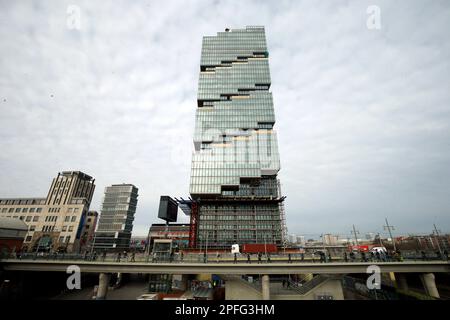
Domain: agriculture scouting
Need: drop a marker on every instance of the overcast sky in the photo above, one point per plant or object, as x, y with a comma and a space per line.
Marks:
363, 114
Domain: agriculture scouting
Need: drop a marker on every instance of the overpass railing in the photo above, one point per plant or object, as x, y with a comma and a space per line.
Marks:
213, 258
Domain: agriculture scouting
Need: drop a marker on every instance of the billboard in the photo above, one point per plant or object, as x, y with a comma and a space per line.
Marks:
168, 209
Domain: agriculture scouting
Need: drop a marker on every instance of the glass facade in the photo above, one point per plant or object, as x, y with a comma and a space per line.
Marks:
117, 216
236, 161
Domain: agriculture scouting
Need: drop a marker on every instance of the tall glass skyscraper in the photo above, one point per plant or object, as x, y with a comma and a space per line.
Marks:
235, 163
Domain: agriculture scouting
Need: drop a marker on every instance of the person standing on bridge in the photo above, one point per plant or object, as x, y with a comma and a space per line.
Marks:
363, 256
119, 255
268, 257
289, 258
345, 256
445, 254
205, 257
235, 257
248, 258
132, 256
104, 255
259, 257
438, 255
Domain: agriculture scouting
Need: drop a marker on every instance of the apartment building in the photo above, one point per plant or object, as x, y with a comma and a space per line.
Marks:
61, 220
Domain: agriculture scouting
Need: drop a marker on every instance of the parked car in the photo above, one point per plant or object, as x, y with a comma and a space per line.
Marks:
379, 250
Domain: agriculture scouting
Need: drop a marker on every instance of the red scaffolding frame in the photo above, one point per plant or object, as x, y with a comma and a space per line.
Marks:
193, 226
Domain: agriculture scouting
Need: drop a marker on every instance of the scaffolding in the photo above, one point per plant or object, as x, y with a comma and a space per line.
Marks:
245, 216
284, 231
242, 220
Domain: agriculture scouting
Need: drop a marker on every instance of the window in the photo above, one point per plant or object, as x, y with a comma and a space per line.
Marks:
38, 210
4, 210
28, 219
70, 210
61, 239
18, 209
22, 217
28, 238
35, 218
70, 228
87, 226
24, 210
11, 210
68, 239
64, 228
32, 210
67, 218
74, 218
32, 228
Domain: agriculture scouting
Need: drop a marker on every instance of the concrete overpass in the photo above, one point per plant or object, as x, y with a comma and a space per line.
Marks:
224, 268
106, 268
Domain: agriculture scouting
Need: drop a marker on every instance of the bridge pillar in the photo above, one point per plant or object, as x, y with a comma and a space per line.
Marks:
265, 282
103, 284
429, 284
401, 282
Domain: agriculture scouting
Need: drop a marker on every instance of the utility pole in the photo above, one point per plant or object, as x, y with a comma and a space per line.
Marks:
389, 228
355, 232
436, 236
379, 238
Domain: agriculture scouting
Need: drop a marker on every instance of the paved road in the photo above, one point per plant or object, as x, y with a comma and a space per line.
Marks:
128, 291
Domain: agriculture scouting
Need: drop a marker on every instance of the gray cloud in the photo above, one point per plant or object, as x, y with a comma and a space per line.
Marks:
363, 116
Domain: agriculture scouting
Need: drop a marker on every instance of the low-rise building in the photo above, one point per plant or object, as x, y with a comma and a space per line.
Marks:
178, 232
12, 233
